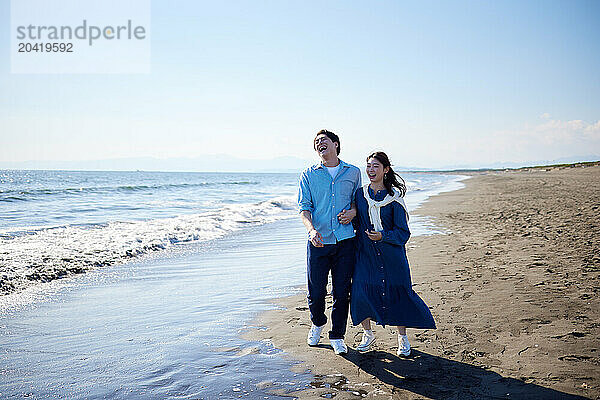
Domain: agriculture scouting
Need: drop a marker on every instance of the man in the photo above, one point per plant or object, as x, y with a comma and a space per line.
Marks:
325, 201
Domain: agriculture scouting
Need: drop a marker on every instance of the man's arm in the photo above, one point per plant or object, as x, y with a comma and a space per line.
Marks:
346, 216
315, 237
306, 207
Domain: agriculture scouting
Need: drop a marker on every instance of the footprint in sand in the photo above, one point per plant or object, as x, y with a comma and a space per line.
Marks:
467, 295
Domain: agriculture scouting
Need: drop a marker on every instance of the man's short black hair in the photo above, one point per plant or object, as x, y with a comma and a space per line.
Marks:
334, 138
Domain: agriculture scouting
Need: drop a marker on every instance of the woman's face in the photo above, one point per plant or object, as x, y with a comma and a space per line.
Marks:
375, 170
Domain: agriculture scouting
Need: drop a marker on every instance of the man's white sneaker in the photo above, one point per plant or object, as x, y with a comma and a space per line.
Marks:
403, 346
368, 338
314, 335
339, 347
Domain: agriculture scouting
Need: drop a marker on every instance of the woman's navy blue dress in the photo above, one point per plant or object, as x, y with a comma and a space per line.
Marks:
381, 285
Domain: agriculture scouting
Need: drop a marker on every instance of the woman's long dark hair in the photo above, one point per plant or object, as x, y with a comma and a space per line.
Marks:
390, 178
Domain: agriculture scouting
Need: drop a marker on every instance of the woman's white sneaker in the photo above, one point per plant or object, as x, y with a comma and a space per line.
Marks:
314, 335
368, 338
339, 347
403, 346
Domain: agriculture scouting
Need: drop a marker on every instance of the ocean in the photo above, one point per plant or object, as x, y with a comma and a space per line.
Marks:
178, 265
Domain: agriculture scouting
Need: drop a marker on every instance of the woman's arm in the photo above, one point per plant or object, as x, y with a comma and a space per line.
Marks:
346, 216
400, 233
355, 222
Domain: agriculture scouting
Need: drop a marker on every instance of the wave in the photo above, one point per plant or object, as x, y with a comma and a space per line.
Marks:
242, 213
12, 199
31, 194
51, 253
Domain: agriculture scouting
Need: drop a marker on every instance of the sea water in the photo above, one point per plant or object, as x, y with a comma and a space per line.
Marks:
205, 252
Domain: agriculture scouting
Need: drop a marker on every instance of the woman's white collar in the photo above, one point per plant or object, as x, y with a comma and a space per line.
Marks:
375, 206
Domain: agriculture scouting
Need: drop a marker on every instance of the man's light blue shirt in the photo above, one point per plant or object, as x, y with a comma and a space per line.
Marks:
325, 197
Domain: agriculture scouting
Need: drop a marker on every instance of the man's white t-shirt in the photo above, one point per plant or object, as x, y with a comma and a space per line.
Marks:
333, 170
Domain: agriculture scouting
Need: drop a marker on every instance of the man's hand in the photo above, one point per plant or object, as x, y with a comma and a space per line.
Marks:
346, 216
315, 238
374, 235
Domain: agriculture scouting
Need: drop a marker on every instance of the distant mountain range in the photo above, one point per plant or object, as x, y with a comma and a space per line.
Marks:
225, 163
208, 163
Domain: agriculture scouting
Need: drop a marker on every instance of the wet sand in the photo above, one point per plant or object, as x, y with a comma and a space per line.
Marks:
514, 290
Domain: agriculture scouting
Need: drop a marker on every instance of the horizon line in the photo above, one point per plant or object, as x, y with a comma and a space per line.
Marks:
291, 170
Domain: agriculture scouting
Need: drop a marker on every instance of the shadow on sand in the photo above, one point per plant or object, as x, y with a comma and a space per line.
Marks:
440, 378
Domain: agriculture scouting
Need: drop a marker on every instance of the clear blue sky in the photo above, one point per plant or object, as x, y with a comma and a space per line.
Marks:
431, 83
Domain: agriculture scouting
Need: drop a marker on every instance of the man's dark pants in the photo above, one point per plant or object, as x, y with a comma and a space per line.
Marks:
338, 258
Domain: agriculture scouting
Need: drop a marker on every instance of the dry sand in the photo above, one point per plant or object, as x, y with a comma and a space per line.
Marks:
513, 288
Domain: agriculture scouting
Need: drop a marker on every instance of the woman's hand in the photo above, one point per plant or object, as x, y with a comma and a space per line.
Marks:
374, 235
315, 238
346, 216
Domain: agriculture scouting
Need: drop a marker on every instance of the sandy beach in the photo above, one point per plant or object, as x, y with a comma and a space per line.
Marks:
513, 287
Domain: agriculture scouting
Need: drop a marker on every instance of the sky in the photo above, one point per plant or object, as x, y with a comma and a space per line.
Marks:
433, 83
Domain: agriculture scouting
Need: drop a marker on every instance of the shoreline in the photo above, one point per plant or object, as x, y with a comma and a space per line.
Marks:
512, 287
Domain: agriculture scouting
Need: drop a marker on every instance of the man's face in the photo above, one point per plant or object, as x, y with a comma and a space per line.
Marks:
324, 146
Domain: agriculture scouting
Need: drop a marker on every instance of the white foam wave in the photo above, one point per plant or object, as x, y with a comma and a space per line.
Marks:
48, 254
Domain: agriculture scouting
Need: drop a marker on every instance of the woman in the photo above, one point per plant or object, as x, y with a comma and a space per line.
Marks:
381, 286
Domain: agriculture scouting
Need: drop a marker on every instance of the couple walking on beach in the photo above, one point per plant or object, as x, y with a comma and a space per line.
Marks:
358, 233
